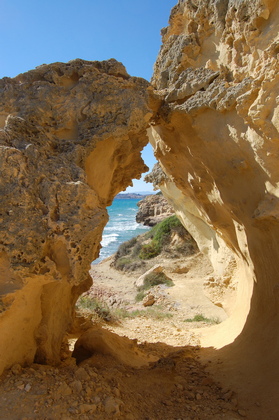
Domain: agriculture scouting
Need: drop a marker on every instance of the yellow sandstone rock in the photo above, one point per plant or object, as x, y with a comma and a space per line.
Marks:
216, 137
70, 140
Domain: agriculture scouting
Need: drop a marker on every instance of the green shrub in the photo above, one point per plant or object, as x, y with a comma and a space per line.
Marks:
149, 251
128, 264
140, 296
130, 255
202, 318
122, 263
135, 265
125, 247
136, 250
126, 257
165, 228
153, 279
94, 305
160, 235
156, 312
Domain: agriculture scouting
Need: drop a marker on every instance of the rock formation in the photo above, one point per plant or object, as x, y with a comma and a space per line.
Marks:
216, 136
153, 209
70, 140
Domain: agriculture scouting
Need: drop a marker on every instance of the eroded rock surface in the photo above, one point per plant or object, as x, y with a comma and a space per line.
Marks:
153, 209
216, 136
70, 140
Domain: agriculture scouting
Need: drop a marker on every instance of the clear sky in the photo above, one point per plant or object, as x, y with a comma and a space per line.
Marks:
34, 32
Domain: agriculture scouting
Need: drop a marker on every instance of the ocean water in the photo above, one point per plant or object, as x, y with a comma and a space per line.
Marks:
121, 226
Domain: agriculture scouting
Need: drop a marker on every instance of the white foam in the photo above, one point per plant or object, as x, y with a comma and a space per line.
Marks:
122, 226
107, 239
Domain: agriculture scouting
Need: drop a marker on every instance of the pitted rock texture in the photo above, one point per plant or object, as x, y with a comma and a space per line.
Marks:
216, 136
153, 209
70, 140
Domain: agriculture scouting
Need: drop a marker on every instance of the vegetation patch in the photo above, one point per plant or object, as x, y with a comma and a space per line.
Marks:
140, 296
95, 307
156, 312
202, 318
100, 311
122, 262
125, 248
161, 234
149, 251
131, 255
153, 279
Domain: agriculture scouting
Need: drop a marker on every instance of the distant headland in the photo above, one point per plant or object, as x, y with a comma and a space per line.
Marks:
133, 195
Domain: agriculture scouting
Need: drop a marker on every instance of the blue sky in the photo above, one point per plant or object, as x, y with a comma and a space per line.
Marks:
36, 32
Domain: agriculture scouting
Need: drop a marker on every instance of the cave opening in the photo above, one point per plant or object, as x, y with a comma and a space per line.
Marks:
178, 271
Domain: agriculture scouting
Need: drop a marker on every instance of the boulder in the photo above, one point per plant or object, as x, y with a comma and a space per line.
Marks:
97, 341
155, 269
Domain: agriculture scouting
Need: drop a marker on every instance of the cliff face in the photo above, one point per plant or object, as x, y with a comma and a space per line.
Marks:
70, 140
216, 136
153, 209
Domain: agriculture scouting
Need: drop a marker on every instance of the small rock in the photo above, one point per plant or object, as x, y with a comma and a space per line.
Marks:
27, 387
72, 410
76, 386
198, 397
112, 405
116, 392
85, 408
88, 391
228, 395
149, 300
207, 381
189, 395
16, 369
242, 413
63, 390
81, 374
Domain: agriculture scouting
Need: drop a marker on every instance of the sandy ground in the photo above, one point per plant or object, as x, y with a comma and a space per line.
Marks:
169, 383
181, 302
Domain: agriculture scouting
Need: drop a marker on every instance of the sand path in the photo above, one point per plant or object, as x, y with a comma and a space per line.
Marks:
182, 301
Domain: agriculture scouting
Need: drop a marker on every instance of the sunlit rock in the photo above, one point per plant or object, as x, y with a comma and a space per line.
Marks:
70, 140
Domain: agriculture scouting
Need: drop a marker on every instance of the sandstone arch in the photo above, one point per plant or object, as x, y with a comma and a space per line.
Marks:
215, 132
70, 141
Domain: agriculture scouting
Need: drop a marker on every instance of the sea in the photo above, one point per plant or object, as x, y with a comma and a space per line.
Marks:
121, 226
